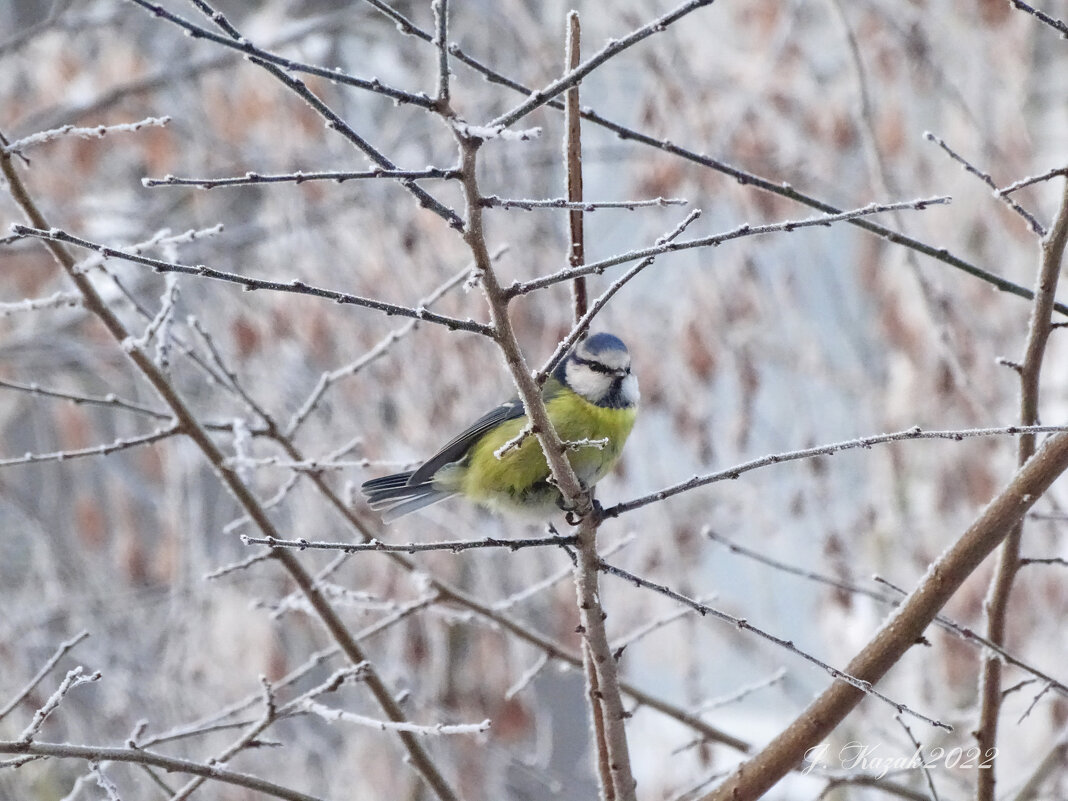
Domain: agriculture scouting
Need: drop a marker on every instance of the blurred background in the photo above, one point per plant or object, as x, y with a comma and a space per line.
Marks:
762, 345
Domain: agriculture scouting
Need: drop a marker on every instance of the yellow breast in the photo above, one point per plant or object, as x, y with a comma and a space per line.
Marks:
518, 480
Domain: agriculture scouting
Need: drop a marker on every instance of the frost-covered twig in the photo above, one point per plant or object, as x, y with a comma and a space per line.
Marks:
57, 300
93, 132
249, 283
584, 322
95, 450
744, 625
983, 176
455, 546
493, 202
63, 649
737, 470
523, 287
327, 379
74, 678
613, 48
301, 176
330, 714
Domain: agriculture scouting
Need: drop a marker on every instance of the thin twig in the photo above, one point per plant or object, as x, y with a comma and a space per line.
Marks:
744, 178
1051, 560
613, 48
745, 230
584, 322
301, 176
578, 205
1033, 179
95, 132
63, 649
731, 473
57, 300
104, 783
441, 41
744, 625
251, 284
74, 678
110, 400
576, 253
455, 546
744, 692
1042, 16
923, 761
96, 450
1027, 216
320, 465
1034, 702
329, 714
140, 756
652, 626
969, 635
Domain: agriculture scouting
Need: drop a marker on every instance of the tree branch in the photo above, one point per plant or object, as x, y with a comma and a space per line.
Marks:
900, 632
997, 602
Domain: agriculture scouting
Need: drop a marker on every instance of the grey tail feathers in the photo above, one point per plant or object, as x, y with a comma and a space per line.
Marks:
394, 497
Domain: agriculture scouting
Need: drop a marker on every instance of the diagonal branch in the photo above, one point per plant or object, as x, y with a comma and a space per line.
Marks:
613, 48
743, 177
901, 631
298, 87
250, 284
744, 230
420, 758
140, 756
575, 496
731, 473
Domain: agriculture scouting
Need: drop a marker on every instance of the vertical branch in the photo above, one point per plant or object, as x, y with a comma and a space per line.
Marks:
997, 602
619, 783
576, 257
602, 678
597, 724
441, 41
573, 158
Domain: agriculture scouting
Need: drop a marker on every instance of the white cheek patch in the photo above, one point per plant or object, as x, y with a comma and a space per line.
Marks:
587, 383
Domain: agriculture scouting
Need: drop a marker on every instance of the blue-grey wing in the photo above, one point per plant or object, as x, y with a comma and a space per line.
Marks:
455, 450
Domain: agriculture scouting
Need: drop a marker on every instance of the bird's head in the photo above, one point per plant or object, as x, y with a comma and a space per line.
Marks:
598, 369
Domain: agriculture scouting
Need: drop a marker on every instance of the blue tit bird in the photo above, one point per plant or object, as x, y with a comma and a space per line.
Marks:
591, 398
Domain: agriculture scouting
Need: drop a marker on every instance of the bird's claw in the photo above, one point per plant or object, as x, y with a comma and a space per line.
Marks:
573, 518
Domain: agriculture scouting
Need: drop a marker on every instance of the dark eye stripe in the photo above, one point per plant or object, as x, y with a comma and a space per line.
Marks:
597, 367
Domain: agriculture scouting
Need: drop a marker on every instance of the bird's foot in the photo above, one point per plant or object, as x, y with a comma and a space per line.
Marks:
574, 517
